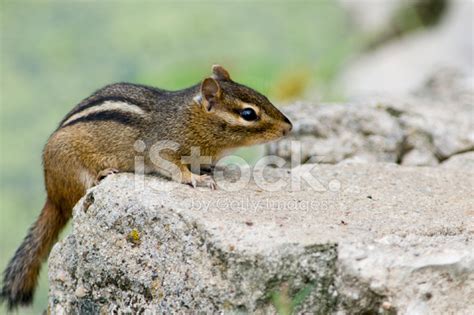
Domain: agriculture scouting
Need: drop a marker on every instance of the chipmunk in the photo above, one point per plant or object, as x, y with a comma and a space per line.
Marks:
97, 138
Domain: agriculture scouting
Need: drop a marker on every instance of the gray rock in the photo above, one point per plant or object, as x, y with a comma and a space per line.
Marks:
331, 133
372, 238
416, 157
420, 130
459, 161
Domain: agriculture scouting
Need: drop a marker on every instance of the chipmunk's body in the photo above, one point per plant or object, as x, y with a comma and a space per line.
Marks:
99, 136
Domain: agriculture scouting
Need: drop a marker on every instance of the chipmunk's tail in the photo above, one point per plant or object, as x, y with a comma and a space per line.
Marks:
21, 274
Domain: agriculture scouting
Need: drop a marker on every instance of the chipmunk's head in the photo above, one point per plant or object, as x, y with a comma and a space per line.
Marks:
238, 113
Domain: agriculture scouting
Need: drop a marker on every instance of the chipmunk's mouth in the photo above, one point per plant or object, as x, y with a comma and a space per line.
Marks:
287, 129
278, 134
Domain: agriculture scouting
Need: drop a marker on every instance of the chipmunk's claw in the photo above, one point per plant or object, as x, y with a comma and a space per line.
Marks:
202, 180
104, 173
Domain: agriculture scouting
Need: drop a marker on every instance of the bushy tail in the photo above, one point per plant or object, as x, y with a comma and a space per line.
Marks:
21, 274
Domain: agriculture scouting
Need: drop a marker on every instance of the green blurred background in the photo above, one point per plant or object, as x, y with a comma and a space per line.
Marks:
55, 53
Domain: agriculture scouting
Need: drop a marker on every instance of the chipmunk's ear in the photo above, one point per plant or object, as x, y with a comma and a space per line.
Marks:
219, 73
210, 93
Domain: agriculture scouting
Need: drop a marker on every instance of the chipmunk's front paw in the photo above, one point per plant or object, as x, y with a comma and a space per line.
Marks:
202, 180
104, 173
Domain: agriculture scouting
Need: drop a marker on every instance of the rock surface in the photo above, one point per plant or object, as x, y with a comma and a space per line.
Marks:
421, 130
369, 238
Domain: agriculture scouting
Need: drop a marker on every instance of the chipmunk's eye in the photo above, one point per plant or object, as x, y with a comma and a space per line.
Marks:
248, 114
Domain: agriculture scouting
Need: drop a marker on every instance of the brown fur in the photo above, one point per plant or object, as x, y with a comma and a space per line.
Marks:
84, 146
22, 272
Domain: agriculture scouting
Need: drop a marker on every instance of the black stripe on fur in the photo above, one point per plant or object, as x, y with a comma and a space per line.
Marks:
124, 118
98, 102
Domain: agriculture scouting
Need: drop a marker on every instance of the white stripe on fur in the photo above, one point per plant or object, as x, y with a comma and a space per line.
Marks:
106, 106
